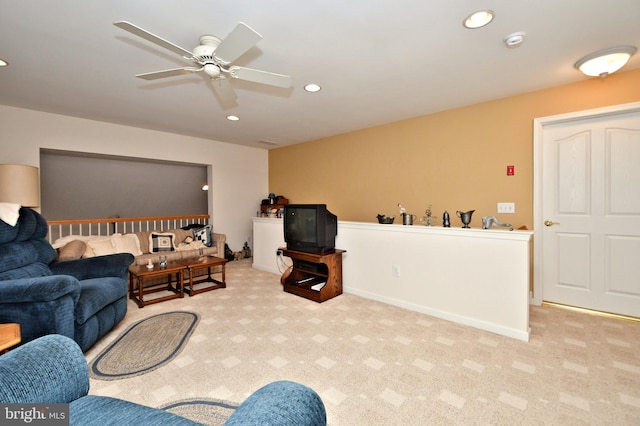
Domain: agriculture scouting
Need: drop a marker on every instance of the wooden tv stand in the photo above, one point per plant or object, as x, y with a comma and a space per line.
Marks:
310, 271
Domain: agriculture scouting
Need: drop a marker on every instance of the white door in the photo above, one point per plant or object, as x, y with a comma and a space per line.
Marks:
590, 212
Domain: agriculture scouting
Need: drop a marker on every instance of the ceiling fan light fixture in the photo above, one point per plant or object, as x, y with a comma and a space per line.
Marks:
606, 61
478, 19
211, 70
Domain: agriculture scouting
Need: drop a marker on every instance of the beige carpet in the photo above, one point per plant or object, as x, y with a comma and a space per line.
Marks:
375, 364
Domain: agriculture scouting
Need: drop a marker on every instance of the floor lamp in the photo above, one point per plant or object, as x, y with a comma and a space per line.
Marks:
19, 184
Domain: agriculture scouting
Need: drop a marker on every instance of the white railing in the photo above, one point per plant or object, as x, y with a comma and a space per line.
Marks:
122, 225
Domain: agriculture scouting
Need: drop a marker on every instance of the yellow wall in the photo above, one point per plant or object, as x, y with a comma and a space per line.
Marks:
452, 160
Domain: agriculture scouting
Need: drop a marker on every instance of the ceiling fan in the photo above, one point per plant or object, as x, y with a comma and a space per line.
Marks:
214, 57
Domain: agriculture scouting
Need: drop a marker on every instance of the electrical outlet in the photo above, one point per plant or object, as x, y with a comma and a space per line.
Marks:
506, 207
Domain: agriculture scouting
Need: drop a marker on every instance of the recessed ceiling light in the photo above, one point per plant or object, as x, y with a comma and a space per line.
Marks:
312, 87
233, 118
605, 62
478, 19
3, 63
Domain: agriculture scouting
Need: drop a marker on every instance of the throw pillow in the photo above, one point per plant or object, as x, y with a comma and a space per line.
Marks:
127, 243
101, 246
159, 242
72, 250
192, 226
203, 235
61, 242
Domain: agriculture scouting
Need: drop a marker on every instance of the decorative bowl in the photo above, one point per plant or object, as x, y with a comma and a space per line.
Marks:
385, 219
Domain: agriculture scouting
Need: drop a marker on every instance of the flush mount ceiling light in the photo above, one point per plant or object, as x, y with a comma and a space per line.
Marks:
478, 19
233, 118
606, 61
3, 63
312, 87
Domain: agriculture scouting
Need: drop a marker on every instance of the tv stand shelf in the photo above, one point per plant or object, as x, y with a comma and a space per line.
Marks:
316, 277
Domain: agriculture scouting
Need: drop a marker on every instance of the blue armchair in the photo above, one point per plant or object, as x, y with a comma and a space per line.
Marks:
81, 299
52, 370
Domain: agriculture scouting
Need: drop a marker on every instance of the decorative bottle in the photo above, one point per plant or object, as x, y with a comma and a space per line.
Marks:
446, 221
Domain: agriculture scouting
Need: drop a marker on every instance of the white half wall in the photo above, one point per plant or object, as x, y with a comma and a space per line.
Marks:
238, 175
474, 277
268, 237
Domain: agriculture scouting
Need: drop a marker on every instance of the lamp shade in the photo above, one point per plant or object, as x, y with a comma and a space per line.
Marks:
19, 184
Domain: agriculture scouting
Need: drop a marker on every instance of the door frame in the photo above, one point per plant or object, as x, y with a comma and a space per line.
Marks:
538, 170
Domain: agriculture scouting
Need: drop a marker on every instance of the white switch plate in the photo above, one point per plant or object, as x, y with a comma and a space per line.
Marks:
395, 271
506, 207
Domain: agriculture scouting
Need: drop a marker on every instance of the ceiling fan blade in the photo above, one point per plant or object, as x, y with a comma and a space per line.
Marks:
133, 29
258, 76
168, 73
241, 39
223, 88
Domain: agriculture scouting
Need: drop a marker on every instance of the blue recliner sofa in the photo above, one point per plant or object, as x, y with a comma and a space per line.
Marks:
82, 299
52, 370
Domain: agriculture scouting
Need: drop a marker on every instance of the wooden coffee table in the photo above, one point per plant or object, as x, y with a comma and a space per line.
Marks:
208, 262
139, 273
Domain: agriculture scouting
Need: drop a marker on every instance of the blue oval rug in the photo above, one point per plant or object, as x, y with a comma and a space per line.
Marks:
145, 346
207, 411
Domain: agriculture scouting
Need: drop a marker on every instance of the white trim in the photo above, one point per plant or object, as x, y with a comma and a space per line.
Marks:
538, 135
503, 330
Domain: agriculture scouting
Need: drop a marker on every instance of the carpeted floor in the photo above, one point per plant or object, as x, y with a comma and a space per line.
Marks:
376, 364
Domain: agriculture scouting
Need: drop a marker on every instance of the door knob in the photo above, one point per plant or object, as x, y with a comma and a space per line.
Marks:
550, 223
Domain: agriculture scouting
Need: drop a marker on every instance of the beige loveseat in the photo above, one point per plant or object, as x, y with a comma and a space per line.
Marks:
145, 246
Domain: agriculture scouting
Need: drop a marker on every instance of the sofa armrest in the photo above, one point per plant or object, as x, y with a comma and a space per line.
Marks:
38, 289
281, 403
42, 305
112, 265
48, 370
219, 241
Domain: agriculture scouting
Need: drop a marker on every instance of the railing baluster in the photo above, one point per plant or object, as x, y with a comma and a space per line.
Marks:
94, 227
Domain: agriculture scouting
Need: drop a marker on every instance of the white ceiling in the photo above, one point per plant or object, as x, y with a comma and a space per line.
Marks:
378, 61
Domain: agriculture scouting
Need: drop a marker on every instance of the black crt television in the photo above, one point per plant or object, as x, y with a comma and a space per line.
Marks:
310, 228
